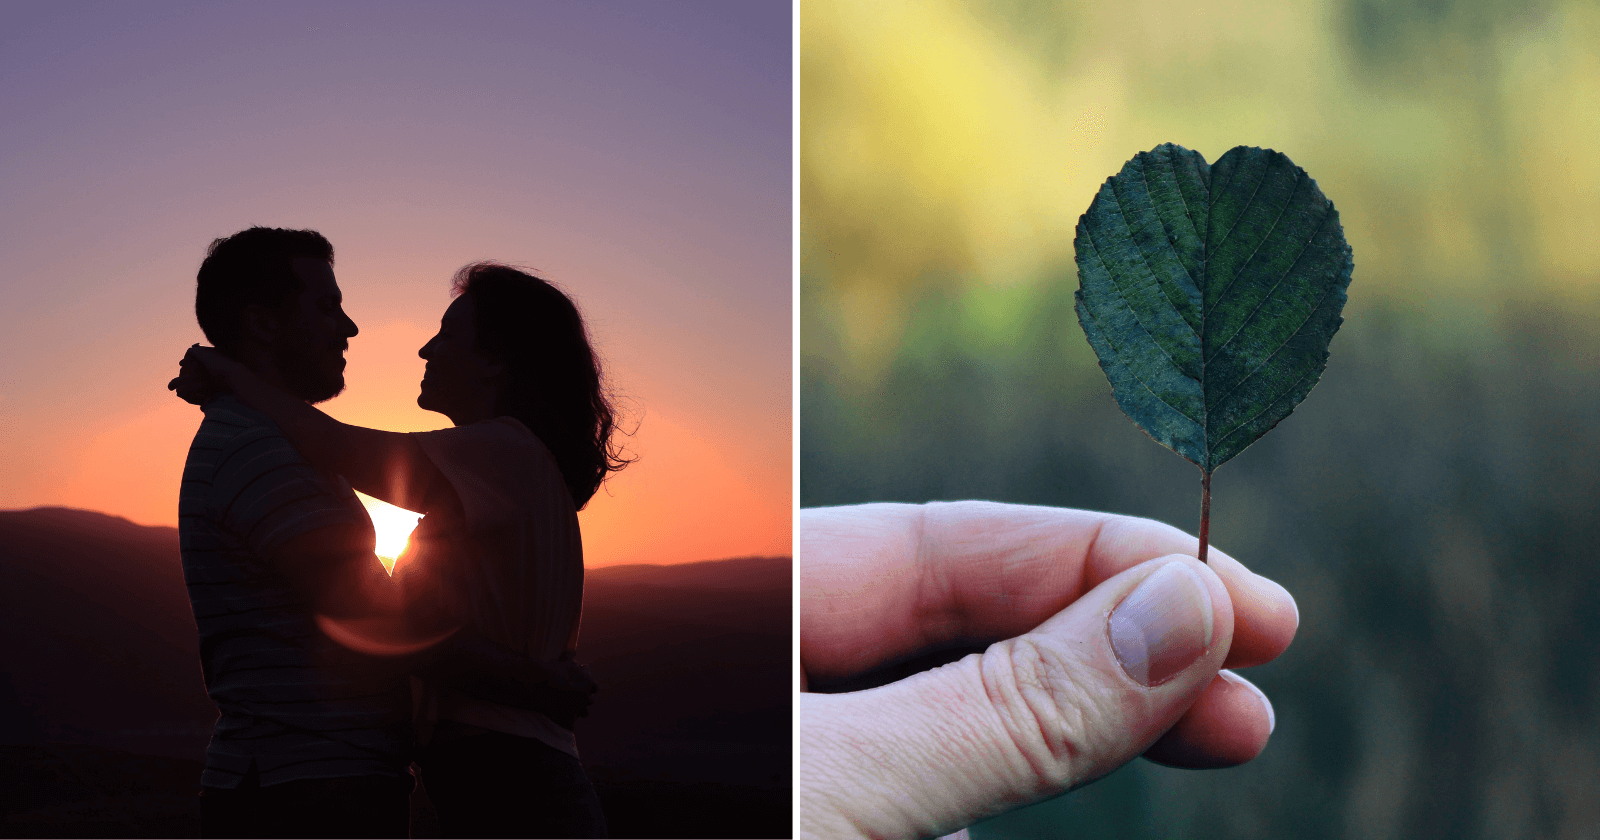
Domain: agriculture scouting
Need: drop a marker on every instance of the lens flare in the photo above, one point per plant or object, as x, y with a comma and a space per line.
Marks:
377, 637
393, 525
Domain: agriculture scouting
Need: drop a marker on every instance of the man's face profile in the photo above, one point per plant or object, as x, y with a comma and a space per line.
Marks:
309, 352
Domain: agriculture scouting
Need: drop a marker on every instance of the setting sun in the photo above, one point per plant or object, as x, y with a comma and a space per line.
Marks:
394, 526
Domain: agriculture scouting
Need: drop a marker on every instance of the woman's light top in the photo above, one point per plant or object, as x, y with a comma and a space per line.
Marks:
511, 566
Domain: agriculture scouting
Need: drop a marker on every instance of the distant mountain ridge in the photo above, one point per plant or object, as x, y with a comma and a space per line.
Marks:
99, 650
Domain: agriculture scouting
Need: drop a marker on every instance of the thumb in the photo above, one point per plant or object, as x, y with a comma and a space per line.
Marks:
1029, 718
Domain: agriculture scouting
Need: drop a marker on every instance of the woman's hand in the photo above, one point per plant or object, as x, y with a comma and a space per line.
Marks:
203, 374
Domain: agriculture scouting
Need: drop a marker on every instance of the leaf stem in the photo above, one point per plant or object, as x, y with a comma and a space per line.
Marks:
1205, 513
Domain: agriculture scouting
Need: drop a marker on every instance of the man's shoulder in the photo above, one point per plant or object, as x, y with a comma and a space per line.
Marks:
236, 444
227, 416
230, 425
244, 477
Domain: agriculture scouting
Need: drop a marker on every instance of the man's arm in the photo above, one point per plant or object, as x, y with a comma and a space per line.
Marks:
333, 569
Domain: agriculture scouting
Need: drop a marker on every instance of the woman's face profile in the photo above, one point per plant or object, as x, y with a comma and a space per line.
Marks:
459, 381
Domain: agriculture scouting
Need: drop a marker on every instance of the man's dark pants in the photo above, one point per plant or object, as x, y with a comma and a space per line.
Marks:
352, 806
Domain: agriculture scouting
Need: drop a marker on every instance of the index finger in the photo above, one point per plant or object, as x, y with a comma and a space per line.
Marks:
881, 583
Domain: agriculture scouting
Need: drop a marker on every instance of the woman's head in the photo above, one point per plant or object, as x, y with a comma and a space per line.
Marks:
513, 344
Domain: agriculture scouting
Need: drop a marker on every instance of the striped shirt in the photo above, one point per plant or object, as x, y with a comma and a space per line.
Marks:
293, 703
510, 567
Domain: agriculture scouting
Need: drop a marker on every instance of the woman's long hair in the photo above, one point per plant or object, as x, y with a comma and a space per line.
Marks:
554, 383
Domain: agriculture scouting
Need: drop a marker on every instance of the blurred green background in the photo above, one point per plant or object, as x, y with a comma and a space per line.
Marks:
1431, 505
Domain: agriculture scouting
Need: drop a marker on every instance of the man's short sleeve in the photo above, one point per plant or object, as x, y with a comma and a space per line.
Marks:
265, 493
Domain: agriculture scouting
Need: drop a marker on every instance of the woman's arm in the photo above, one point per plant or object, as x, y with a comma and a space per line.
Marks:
387, 465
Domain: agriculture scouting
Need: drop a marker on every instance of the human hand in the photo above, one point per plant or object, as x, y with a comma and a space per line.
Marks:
479, 667
1105, 640
564, 689
202, 374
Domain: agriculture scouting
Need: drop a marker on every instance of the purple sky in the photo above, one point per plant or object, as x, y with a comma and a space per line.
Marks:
636, 153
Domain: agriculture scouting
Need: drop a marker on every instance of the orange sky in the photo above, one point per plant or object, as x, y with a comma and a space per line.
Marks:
641, 160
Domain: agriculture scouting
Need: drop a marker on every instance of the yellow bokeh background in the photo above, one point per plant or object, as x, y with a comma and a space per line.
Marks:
947, 139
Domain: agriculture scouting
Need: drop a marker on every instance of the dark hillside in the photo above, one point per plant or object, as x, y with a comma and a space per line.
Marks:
104, 717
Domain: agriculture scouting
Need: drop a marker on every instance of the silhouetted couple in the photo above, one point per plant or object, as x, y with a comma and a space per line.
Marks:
331, 675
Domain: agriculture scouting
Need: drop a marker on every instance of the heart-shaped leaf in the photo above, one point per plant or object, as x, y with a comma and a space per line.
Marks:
1210, 293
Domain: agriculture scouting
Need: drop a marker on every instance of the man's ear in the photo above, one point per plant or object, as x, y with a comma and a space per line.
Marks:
262, 325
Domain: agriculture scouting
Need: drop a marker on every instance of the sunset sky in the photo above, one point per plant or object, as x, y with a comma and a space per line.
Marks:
635, 153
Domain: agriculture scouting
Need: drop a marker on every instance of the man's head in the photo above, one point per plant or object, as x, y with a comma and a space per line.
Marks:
268, 298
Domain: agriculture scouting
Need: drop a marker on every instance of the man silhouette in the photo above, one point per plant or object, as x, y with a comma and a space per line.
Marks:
314, 739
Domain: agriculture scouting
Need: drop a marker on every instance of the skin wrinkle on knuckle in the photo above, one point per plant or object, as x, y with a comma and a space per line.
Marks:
1012, 587
960, 743
1041, 712
1091, 548
933, 613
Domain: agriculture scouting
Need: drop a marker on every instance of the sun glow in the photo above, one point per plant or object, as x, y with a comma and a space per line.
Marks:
394, 526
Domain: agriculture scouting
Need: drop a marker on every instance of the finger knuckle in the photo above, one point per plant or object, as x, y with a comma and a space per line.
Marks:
1044, 714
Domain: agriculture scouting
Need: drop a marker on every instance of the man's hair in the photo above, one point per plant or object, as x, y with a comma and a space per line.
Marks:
253, 266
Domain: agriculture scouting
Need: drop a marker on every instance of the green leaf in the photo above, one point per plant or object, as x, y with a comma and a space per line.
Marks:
1210, 293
